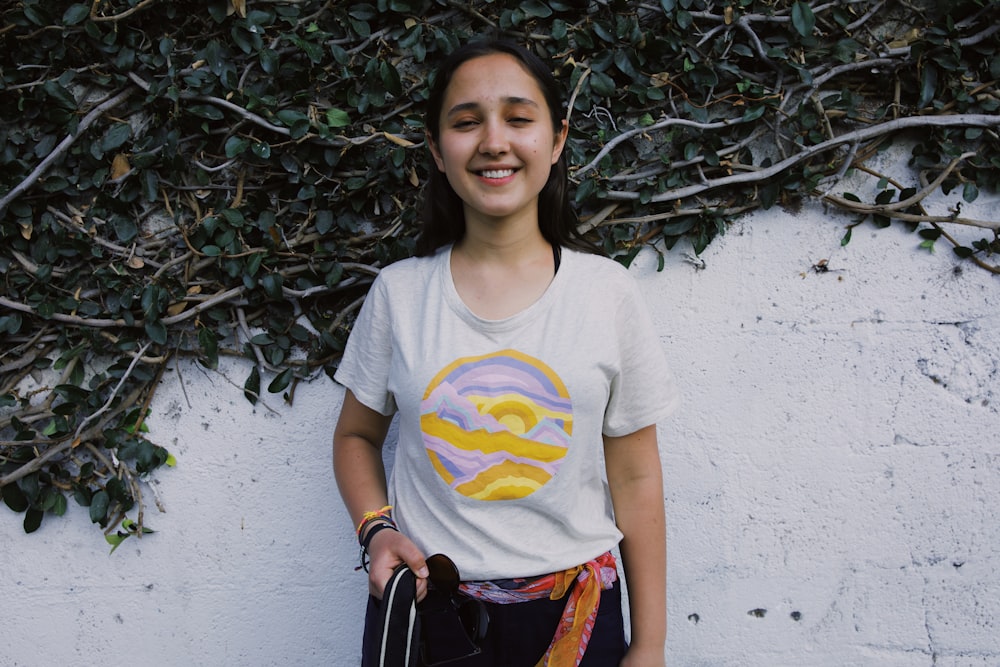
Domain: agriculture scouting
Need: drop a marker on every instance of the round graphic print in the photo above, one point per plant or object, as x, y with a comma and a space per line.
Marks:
496, 427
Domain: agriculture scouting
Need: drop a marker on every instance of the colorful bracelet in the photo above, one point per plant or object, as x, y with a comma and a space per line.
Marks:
384, 514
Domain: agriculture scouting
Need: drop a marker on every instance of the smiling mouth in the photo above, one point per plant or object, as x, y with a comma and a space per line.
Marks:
497, 173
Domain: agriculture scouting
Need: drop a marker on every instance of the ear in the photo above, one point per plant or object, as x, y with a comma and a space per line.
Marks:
435, 152
560, 141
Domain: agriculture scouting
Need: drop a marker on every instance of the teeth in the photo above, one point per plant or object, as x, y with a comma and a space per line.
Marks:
498, 173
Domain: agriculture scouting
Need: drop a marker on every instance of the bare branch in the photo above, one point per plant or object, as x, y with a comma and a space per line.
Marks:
864, 134
63, 146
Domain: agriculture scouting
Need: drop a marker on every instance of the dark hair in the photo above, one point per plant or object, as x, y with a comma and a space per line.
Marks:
442, 213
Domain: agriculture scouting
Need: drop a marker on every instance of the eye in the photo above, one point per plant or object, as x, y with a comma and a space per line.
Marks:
520, 120
464, 124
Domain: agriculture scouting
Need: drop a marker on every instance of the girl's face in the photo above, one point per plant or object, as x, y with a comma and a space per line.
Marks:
496, 144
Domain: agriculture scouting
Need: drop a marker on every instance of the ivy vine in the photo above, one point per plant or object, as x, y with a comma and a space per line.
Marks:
227, 177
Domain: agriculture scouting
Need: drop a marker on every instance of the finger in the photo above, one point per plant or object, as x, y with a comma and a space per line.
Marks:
415, 560
388, 550
421, 589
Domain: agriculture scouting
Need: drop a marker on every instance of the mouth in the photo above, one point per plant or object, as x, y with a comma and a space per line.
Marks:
496, 174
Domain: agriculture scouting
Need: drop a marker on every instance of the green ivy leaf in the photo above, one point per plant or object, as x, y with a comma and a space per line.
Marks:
803, 18
753, 113
75, 14
281, 382
970, 192
272, 283
390, 79
885, 197
536, 8
115, 540
251, 387
235, 146
156, 331
337, 118
261, 149
59, 95
14, 498
209, 342
269, 61
324, 221
99, 505
125, 228
32, 520
928, 84
59, 505
602, 84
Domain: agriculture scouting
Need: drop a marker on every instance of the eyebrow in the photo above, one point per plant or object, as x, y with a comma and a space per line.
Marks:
511, 100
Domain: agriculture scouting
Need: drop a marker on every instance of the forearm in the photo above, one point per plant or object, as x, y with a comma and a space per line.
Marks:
635, 479
357, 458
360, 476
644, 559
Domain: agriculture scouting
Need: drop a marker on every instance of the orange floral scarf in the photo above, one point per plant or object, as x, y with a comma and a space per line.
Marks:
577, 623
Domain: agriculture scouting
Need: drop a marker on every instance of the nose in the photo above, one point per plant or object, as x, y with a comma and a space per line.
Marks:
494, 139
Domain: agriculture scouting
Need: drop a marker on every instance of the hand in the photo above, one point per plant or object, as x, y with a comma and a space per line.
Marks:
387, 550
638, 656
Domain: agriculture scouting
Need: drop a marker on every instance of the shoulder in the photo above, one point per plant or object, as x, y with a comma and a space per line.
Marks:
409, 270
605, 286
597, 270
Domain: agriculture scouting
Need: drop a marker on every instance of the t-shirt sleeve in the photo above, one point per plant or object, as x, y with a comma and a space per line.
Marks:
364, 368
643, 391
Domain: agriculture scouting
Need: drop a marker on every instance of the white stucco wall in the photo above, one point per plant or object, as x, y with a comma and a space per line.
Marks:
831, 480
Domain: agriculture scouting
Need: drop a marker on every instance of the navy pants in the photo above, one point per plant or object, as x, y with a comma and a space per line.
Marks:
519, 633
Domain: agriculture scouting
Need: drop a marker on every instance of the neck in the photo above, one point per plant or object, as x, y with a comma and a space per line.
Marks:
500, 273
506, 241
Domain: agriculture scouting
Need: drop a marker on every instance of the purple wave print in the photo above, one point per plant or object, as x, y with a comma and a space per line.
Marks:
458, 410
466, 465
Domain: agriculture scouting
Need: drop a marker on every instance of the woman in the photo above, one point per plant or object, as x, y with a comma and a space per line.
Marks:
528, 383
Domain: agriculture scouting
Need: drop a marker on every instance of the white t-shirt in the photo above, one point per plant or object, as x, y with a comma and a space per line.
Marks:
500, 459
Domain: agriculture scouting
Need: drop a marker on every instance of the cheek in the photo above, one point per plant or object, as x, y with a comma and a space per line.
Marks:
452, 154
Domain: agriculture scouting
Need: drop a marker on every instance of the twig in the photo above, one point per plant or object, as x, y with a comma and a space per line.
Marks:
114, 392
62, 317
52, 452
63, 146
117, 17
864, 134
663, 124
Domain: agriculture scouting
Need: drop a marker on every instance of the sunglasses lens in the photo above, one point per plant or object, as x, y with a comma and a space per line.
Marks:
474, 619
443, 573
446, 613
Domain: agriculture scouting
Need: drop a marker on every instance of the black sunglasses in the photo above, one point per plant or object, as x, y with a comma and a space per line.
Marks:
453, 625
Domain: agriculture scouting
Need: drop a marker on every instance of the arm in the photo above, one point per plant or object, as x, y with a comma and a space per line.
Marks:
635, 478
360, 474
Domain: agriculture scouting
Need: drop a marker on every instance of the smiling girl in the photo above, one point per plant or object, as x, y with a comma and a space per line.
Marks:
528, 381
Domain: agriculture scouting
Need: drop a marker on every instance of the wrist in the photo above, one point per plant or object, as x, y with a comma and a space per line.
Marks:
370, 518
371, 524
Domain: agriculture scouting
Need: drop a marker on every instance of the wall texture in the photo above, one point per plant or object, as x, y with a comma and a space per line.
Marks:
831, 482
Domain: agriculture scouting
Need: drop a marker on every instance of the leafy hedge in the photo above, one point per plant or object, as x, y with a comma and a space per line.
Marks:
226, 177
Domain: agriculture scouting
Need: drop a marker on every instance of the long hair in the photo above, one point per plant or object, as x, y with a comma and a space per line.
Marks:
442, 213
